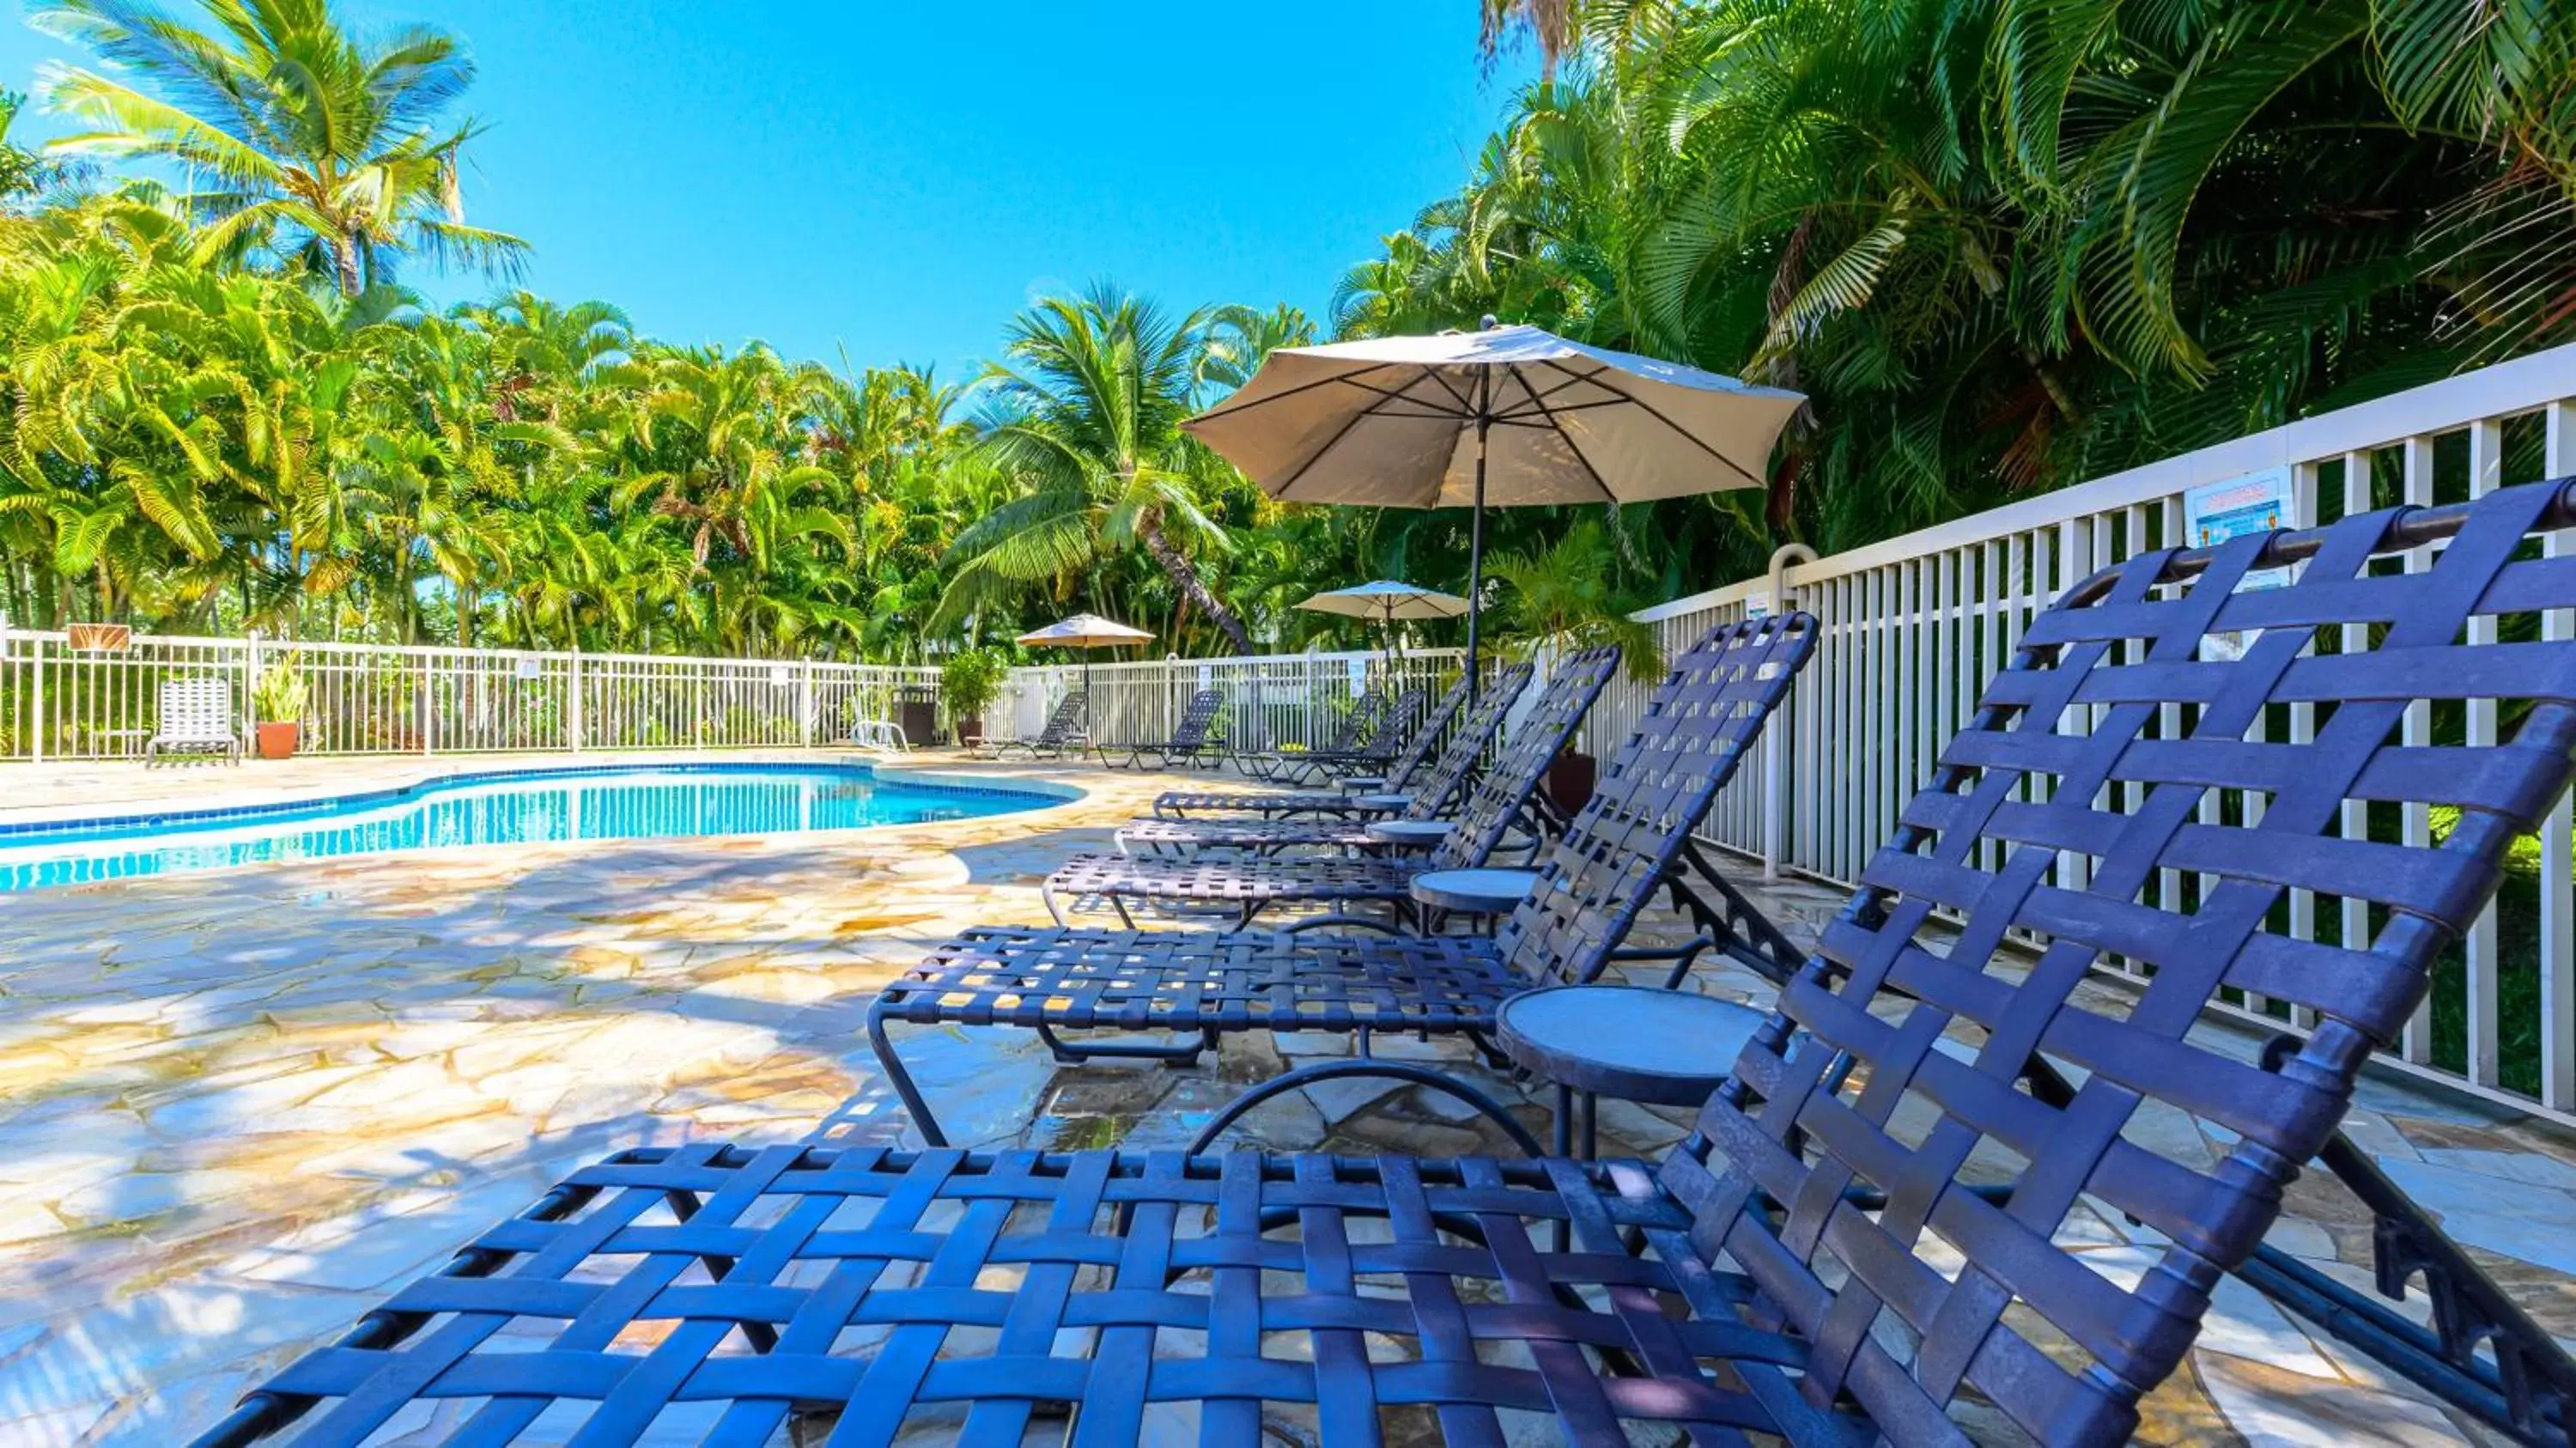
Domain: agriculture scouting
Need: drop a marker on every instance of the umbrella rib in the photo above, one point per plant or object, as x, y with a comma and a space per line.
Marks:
1466, 409
1404, 394
1571, 445
1543, 410
1523, 418
1312, 458
1354, 420
1215, 413
1657, 414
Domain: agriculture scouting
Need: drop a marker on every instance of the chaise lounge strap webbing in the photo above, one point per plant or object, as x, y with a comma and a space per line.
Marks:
1420, 743
1179, 803
1249, 834
1187, 738
2082, 777
1439, 788
1138, 980
1310, 879
1118, 1287
1499, 801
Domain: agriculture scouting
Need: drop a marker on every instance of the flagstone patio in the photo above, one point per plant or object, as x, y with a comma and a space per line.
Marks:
236, 1109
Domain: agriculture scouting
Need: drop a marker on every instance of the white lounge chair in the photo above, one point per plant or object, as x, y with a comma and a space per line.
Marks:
196, 718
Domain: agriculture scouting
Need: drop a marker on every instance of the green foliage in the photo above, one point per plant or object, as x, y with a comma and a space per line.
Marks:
969, 681
281, 695
313, 141
2008, 246
1567, 594
2002, 246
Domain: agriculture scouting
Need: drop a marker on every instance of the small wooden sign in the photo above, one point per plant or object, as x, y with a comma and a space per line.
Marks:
99, 638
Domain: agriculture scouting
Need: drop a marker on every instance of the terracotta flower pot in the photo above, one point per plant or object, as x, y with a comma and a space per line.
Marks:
970, 730
278, 740
1570, 777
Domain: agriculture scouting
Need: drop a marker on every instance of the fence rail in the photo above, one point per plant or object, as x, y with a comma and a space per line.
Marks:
1913, 626
57, 702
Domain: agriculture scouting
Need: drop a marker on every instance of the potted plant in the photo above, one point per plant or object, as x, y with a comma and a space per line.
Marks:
278, 701
969, 682
1565, 596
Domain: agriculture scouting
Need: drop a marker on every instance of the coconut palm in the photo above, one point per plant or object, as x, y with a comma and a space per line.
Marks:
312, 140
1085, 414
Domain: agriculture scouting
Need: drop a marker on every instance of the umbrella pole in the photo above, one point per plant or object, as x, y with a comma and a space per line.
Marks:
1476, 546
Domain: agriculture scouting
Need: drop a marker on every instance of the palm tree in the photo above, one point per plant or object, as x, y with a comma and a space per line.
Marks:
718, 449
313, 141
1239, 338
1086, 412
548, 351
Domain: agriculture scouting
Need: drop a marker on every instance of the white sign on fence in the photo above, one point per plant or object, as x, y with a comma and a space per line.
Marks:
2255, 503
2213, 513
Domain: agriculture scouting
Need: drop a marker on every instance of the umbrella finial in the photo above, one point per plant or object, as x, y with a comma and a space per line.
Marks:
1488, 322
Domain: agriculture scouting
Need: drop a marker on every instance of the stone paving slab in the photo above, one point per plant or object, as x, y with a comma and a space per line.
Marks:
237, 1108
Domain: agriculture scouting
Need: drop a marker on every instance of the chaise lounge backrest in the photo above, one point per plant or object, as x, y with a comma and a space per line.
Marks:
1501, 794
1367, 716
1697, 729
1418, 747
1467, 743
1065, 722
1397, 726
1917, 1051
1197, 717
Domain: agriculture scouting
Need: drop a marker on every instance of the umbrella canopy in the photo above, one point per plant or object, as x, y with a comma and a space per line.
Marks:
1386, 601
1504, 416
1084, 631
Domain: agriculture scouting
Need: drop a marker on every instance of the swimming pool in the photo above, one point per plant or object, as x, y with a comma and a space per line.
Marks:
607, 802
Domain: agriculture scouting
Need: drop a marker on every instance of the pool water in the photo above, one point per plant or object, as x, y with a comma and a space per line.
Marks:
520, 807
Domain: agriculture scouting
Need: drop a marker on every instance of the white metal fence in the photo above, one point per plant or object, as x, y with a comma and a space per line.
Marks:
1275, 700
57, 702
1912, 628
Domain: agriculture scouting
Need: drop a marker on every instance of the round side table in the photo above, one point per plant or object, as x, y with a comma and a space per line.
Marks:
1668, 1048
1486, 895
1409, 834
1474, 892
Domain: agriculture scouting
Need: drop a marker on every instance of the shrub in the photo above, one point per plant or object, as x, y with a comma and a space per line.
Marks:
280, 696
969, 682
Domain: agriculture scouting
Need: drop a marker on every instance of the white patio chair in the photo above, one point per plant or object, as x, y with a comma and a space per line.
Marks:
197, 717
882, 735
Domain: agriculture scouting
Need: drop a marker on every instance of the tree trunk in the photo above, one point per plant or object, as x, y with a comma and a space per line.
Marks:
344, 256
1186, 579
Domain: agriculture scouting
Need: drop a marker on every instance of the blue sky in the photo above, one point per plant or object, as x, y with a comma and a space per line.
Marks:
899, 179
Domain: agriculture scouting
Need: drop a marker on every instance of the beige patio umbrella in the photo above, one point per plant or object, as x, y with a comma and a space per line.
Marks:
1085, 631
1502, 417
1387, 601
